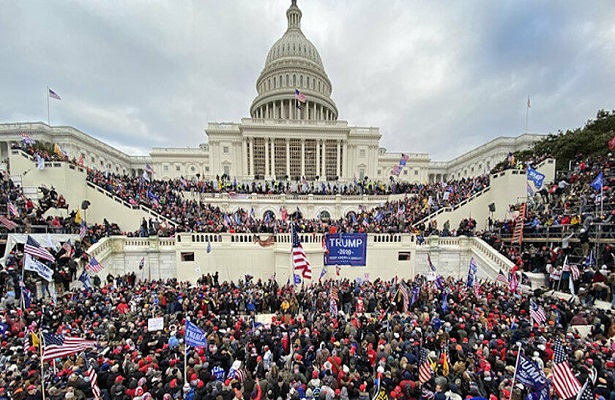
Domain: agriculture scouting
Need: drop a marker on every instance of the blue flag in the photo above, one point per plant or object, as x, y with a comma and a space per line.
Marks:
445, 302
472, 272
415, 295
598, 182
530, 375
535, 176
297, 279
195, 336
323, 272
439, 282
85, 279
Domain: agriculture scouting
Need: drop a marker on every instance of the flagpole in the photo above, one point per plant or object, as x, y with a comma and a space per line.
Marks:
527, 113
512, 386
185, 362
48, 123
42, 346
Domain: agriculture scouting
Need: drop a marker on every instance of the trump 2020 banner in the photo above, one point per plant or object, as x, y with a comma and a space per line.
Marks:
346, 249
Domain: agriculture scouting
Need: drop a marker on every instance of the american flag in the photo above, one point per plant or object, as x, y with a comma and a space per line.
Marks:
537, 312
81, 159
12, 209
91, 373
94, 266
501, 277
68, 249
8, 224
26, 139
300, 261
425, 370
54, 95
574, 270
299, 96
565, 383
335, 293
404, 292
56, 346
587, 392
33, 248
82, 231
149, 169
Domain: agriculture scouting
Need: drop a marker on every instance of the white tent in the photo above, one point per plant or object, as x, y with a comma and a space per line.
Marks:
48, 240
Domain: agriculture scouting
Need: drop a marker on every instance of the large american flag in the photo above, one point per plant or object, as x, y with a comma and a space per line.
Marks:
299, 96
56, 346
8, 224
94, 266
300, 261
405, 294
91, 373
425, 369
33, 248
537, 312
565, 383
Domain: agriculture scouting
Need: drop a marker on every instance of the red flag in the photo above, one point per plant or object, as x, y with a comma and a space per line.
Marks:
612, 143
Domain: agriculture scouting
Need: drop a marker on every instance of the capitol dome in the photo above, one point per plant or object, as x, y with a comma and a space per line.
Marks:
293, 83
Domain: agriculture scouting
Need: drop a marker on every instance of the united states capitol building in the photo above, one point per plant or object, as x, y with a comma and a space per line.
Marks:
292, 134
283, 139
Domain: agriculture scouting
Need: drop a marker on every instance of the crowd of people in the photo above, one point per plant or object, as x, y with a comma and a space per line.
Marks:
190, 213
271, 341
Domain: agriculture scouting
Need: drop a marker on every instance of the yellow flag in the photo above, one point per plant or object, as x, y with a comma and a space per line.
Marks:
59, 151
35, 340
78, 217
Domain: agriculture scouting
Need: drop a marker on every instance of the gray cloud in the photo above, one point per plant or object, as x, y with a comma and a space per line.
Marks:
436, 77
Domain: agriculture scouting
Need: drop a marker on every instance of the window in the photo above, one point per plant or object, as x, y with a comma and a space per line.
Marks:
275, 82
178, 168
379, 172
403, 256
206, 169
307, 81
165, 168
227, 170
92, 159
187, 256
361, 173
416, 172
294, 80
406, 172
225, 149
193, 168
301, 80
362, 153
287, 81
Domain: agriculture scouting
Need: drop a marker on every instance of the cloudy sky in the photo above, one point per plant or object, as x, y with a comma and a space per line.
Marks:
436, 76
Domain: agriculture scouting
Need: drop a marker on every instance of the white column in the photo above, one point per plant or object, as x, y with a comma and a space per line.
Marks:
288, 157
273, 157
282, 109
302, 157
251, 156
339, 159
266, 157
314, 116
344, 167
244, 157
324, 158
318, 157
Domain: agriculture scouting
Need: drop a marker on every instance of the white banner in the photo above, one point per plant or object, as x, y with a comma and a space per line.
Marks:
41, 269
155, 324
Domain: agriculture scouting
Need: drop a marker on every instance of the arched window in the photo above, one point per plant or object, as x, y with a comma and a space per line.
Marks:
294, 80
275, 82
307, 82
287, 80
301, 80
281, 82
